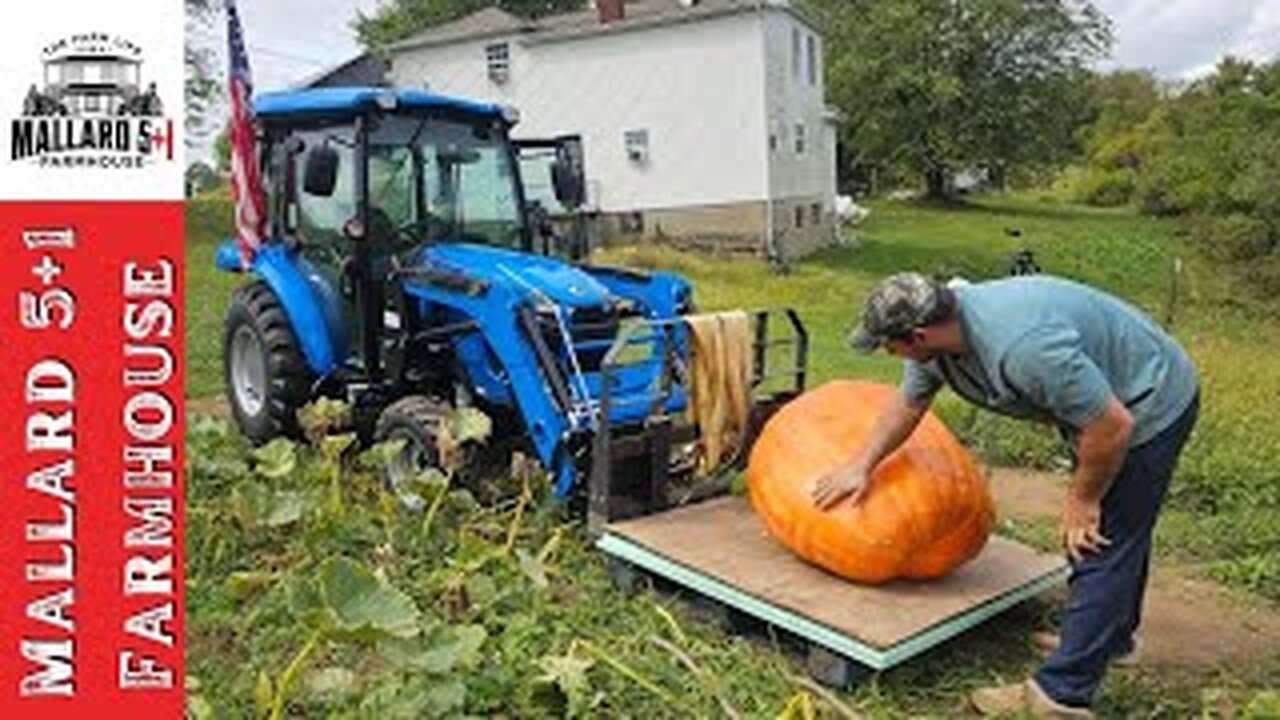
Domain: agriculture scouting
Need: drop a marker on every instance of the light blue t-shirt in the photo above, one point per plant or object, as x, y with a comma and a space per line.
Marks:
1052, 350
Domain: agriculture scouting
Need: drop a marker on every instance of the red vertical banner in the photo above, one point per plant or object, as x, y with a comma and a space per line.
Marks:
91, 356
91, 382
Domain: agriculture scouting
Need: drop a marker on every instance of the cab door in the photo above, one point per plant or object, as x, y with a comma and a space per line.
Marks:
554, 180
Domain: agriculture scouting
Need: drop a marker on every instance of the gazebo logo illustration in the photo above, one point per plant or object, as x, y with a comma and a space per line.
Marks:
92, 75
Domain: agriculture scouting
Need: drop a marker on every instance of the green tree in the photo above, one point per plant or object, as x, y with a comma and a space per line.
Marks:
398, 19
201, 178
1209, 152
201, 87
931, 87
222, 148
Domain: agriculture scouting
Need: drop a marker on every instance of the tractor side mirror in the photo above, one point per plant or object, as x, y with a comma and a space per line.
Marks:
568, 183
321, 172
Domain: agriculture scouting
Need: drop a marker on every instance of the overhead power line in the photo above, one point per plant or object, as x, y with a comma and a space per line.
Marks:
290, 56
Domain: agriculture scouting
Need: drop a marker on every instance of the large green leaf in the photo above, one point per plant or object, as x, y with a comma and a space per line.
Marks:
441, 650
333, 446
568, 673
277, 459
468, 424
256, 505
383, 454
282, 508
361, 607
322, 417
331, 683
452, 647
461, 427
1265, 704
414, 700
533, 568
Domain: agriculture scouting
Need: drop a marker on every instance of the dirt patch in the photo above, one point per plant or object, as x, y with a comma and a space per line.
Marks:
1187, 622
212, 405
1028, 494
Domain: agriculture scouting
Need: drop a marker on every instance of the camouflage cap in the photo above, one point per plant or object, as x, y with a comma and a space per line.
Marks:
898, 305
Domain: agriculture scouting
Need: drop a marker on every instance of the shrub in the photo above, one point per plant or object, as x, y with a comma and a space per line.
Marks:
1098, 186
1236, 237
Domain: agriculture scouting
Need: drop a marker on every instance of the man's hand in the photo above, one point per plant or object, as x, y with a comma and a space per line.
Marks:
1082, 527
1104, 441
847, 481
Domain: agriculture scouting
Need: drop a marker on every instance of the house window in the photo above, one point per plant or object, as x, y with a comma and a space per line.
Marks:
637, 145
800, 144
498, 59
815, 213
773, 142
799, 216
812, 60
795, 54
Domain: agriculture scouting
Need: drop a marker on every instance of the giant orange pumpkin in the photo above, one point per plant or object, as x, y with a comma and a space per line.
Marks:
928, 508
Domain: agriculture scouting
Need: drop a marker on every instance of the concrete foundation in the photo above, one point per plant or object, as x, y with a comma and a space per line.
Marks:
801, 226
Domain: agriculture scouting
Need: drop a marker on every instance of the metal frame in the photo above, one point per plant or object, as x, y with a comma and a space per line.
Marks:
659, 432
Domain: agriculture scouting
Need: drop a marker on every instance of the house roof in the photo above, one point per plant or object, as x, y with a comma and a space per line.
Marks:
492, 22
482, 23
363, 69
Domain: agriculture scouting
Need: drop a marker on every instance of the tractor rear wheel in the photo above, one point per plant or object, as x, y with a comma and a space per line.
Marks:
267, 379
415, 420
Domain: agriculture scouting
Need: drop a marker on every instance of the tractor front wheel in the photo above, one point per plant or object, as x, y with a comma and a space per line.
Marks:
267, 379
415, 420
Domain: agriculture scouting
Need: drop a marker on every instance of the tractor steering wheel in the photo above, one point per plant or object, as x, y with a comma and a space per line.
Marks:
430, 227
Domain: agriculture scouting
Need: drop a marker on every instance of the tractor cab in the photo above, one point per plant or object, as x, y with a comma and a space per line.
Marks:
408, 272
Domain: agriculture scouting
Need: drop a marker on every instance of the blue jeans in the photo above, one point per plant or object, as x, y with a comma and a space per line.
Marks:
1106, 588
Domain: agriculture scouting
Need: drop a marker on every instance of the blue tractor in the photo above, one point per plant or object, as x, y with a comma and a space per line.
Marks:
407, 273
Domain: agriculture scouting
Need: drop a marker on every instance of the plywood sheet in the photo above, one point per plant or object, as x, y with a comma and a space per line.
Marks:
724, 539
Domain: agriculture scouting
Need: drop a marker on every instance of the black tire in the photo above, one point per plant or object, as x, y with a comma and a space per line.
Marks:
256, 325
416, 419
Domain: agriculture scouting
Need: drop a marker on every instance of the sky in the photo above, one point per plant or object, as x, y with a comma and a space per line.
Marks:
292, 39
1181, 39
1177, 38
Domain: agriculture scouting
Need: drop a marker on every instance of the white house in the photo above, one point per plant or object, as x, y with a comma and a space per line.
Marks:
701, 120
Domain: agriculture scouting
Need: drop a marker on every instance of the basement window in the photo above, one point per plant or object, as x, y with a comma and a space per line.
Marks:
815, 214
799, 217
498, 59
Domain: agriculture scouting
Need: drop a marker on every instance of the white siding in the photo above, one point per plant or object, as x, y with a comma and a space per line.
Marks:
697, 88
792, 101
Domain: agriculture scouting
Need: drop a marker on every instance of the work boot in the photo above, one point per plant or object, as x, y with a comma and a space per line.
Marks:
1047, 642
1024, 697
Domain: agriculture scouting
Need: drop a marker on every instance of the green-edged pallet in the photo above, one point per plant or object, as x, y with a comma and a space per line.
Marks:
720, 550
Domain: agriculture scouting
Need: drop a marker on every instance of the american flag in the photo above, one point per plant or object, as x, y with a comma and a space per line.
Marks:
246, 182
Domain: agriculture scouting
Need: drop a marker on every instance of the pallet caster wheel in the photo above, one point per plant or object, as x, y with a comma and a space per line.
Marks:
628, 578
833, 669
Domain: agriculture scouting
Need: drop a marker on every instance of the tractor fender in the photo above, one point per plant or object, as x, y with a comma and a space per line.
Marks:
286, 274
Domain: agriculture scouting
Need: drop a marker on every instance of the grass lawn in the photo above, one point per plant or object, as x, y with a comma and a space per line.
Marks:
1224, 517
